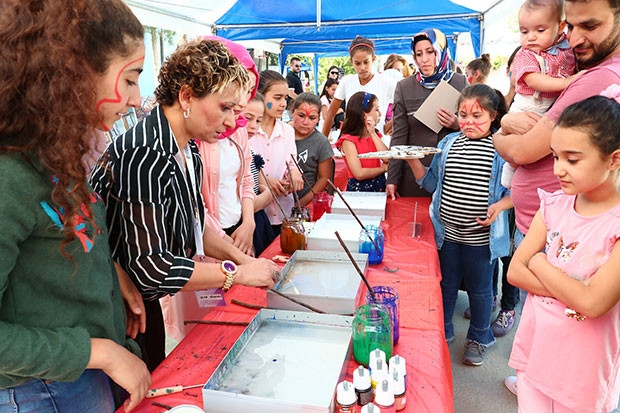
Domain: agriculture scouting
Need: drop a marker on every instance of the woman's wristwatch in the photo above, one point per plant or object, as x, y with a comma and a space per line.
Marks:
229, 269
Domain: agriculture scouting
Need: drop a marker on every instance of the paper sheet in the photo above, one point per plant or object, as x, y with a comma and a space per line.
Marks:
443, 96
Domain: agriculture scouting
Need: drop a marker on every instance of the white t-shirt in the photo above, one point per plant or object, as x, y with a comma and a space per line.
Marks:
380, 85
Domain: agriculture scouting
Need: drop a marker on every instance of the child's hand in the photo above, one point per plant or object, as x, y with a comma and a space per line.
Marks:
279, 187
572, 78
537, 262
492, 214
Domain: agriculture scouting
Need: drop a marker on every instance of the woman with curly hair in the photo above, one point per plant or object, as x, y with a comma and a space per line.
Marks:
150, 180
68, 68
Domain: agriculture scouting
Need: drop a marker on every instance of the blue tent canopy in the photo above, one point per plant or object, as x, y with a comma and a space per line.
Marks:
327, 27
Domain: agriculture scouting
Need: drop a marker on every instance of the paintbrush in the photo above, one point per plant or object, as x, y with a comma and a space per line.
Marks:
222, 323
302, 175
290, 177
357, 268
337, 190
308, 306
275, 198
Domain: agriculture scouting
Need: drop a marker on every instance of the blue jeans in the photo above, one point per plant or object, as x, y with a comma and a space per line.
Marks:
471, 266
89, 393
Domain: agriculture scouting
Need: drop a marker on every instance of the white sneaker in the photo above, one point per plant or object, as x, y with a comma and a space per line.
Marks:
511, 384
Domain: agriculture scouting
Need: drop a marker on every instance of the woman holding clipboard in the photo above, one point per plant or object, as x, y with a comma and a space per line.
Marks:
432, 59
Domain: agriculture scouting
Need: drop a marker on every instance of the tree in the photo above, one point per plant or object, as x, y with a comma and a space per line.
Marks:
158, 37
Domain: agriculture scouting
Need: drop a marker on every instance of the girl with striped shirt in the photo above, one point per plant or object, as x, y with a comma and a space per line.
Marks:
468, 211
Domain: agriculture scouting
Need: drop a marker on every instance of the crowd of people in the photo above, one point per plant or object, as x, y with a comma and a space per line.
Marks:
189, 198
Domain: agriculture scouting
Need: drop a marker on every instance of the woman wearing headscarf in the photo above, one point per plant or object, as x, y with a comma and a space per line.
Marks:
432, 59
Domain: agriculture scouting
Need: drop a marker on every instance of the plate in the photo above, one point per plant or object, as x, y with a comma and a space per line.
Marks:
401, 152
427, 150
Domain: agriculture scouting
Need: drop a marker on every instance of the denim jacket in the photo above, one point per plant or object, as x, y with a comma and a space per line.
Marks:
499, 239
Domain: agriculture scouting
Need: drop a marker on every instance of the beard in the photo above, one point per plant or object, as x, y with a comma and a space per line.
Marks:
603, 50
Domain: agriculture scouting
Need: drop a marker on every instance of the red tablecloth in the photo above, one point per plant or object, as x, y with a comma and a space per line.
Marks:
422, 342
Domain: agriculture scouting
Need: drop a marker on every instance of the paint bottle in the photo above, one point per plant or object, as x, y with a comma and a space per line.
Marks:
374, 356
399, 364
370, 408
384, 398
378, 374
363, 386
397, 386
346, 400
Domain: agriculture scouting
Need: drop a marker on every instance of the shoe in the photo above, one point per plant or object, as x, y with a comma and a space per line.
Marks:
473, 355
467, 313
450, 340
511, 384
503, 323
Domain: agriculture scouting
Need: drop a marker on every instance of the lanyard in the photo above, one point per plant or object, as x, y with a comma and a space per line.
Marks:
189, 164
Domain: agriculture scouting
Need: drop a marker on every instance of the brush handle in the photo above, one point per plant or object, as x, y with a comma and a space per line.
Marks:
357, 268
302, 174
337, 190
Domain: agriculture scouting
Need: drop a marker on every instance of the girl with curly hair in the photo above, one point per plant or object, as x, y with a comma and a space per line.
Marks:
68, 68
150, 180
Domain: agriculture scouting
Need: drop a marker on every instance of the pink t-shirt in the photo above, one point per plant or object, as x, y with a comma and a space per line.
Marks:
575, 362
540, 174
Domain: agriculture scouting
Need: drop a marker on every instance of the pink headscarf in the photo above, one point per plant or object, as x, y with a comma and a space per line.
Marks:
241, 53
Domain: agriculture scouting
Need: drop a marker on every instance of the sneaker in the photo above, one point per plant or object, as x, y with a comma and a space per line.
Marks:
450, 340
473, 355
511, 384
503, 323
467, 313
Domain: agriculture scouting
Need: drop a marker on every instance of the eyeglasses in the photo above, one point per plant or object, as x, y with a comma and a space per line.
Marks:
296, 65
333, 73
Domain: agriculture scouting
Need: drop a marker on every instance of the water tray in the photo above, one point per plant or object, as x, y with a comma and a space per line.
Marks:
324, 280
283, 362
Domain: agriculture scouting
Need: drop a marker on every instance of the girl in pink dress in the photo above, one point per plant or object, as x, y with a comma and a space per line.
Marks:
566, 350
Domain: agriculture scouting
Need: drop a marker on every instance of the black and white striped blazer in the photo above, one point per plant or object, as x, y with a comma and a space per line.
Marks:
149, 206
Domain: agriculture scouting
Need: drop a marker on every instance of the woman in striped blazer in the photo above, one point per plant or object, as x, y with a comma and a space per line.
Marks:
150, 180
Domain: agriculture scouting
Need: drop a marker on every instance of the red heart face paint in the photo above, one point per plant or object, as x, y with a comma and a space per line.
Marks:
118, 88
474, 120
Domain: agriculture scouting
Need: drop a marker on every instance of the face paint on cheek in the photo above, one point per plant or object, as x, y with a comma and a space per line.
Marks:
269, 105
118, 97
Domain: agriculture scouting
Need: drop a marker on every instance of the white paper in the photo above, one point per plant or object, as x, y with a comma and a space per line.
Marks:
443, 96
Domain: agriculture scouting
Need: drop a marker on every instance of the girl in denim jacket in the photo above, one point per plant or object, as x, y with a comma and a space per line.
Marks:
468, 211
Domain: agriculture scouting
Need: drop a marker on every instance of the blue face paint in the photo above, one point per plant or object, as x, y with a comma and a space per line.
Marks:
269, 105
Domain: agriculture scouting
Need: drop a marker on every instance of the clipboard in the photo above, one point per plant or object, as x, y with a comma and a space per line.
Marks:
443, 96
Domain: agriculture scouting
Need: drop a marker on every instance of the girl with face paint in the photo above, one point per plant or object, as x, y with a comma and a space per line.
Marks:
275, 142
150, 179
469, 216
314, 152
73, 71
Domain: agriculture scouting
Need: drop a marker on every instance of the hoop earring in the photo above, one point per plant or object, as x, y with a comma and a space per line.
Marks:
186, 113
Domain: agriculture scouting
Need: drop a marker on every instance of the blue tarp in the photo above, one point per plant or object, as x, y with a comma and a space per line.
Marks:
389, 25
